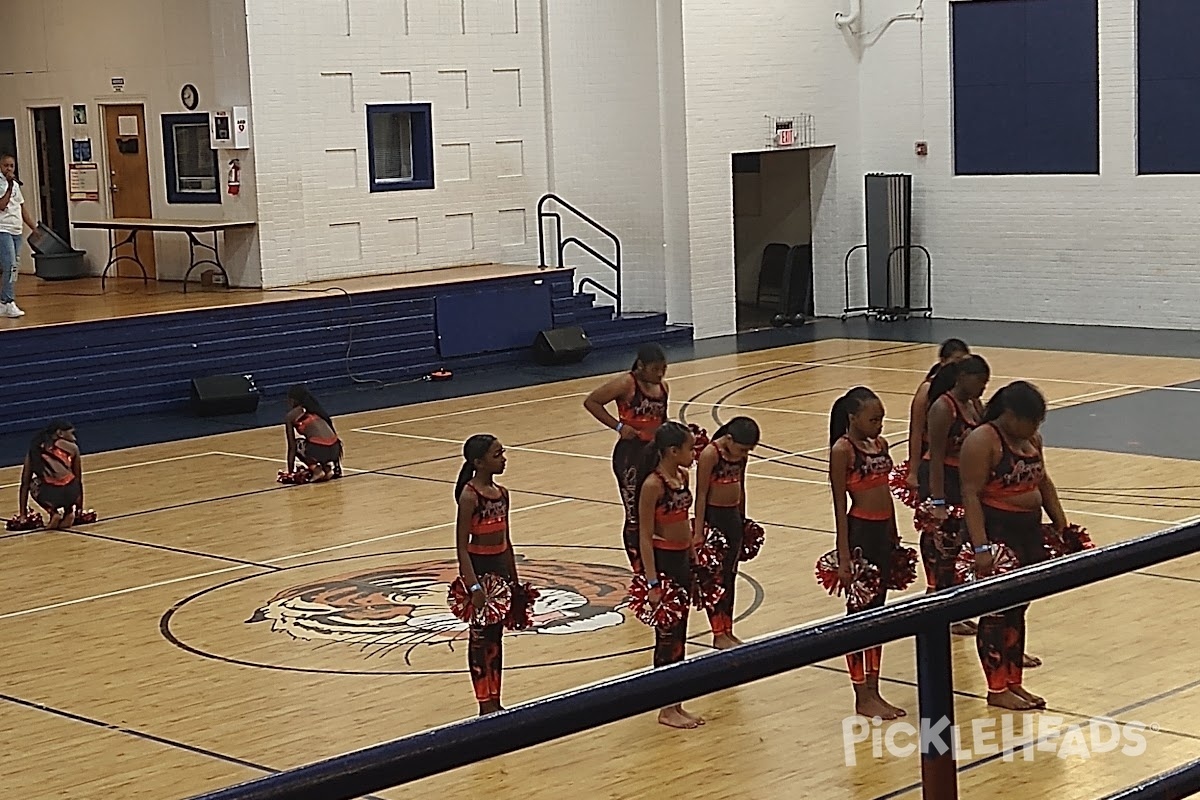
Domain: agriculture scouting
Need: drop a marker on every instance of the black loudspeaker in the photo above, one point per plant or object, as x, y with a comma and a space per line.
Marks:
215, 395
561, 346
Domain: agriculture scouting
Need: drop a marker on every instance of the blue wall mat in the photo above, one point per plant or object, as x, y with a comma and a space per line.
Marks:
1026, 87
490, 319
1168, 87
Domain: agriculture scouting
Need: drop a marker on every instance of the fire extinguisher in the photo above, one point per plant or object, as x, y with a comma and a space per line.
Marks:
235, 176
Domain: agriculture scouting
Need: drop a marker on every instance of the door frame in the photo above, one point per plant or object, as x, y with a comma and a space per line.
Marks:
65, 153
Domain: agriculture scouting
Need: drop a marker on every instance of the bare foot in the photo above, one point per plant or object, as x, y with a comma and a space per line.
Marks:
1019, 691
1010, 700
725, 641
699, 720
897, 710
870, 705
319, 475
674, 717
54, 521
968, 628
1031, 661
69, 519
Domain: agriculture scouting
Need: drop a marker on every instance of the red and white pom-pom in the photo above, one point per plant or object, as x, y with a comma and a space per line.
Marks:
1074, 539
925, 521
85, 517
701, 437
1003, 560
497, 593
710, 554
903, 568
27, 523
752, 539
707, 591
864, 585
898, 482
670, 610
300, 476
520, 613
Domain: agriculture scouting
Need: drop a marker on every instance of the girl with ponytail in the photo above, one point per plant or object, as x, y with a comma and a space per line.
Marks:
954, 411
950, 351
317, 444
663, 506
483, 545
53, 474
859, 465
721, 504
1005, 488
641, 399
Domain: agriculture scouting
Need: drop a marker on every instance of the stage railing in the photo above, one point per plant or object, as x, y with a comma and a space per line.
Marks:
561, 245
925, 617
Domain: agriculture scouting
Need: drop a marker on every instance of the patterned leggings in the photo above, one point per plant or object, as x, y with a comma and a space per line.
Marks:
485, 646
876, 538
624, 462
729, 521
670, 645
1000, 639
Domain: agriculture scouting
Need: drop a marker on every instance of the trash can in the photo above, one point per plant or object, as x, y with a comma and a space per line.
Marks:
53, 258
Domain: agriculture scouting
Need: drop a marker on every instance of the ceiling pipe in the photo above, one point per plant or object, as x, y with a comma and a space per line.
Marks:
849, 20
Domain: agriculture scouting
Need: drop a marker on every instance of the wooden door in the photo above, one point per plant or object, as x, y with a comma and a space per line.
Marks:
126, 139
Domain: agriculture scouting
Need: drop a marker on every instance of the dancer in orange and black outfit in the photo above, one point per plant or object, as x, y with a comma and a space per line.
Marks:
484, 545
318, 447
950, 351
664, 503
1005, 487
954, 411
53, 474
721, 503
641, 398
859, 465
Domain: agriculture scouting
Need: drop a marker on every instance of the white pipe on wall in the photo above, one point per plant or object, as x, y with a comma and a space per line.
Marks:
848, 20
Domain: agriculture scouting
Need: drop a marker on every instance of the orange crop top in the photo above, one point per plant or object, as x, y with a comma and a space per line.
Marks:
643, 413
490, 517
64, 458
1016, 474
727, 472
960, 428
303, 422
868, 470
672, 508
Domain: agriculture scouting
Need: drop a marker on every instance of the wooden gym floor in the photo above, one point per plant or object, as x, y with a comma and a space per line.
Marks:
215, 626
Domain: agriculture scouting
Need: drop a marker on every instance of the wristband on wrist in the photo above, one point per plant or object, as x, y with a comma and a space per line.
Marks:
982, 548
653, 584
620, 425
476, 588
938, 503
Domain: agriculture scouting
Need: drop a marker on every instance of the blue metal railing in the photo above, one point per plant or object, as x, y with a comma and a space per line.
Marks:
561, 244
925, 617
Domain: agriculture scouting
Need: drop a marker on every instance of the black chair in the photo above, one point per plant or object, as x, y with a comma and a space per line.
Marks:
771, 271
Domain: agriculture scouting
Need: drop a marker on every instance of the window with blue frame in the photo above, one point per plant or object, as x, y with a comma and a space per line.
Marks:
193, 173
1168, 87
1026, 79
400, 146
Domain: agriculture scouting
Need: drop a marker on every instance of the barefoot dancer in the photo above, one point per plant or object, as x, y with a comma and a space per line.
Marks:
641, 398
1005, 487
484, 545
859, 465
721, 503
950, 351
954, 411
318, 447
663, 504
53, 473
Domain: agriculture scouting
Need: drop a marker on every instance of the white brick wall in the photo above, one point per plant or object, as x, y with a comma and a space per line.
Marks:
604, 121
479, 62
1109, 249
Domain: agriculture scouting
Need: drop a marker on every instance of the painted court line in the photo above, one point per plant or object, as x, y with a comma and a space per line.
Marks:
1140, 386
91, 471
568, 396
241, 567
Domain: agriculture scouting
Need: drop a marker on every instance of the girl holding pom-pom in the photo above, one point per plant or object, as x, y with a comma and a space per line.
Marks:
483, 545
664, 503
53, 474
951, 350
311, 436
721, 504
1005, 486
859, 465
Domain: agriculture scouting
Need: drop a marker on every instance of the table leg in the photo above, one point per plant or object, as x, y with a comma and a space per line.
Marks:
215, 247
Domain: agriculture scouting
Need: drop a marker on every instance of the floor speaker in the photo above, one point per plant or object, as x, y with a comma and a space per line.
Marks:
561, 346
215, 395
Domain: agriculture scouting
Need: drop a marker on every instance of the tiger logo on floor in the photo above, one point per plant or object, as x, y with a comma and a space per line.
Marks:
403, 606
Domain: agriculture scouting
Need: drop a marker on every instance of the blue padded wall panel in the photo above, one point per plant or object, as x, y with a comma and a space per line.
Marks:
491, 319
1168, 87
1026, 87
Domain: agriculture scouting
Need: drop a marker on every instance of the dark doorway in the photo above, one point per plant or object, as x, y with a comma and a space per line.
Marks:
52, 170
8, 140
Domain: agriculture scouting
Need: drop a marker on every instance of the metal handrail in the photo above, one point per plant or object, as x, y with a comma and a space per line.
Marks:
561, 244
927, 617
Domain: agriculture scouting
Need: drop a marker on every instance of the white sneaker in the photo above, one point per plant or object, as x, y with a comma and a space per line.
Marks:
10, 310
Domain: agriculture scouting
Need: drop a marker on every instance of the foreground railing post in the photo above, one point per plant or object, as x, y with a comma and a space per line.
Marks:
935, 693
